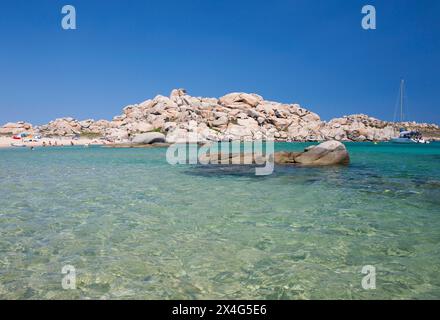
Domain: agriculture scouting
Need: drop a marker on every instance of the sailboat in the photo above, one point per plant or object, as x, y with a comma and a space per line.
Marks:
406, 136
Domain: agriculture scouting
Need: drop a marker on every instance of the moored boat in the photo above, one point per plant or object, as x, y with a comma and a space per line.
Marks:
18, 145
409, 137
406, 136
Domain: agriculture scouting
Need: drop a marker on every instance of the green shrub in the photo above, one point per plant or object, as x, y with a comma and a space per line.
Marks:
90, 135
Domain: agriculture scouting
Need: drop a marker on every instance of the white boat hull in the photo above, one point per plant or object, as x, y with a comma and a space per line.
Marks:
18, 145
407, 141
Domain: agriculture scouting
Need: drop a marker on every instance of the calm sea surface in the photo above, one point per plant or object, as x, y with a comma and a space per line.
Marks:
134, 226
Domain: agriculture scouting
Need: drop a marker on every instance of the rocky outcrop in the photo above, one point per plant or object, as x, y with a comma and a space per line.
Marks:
325, 154
12, 128
359, 127
70, 127
235, 116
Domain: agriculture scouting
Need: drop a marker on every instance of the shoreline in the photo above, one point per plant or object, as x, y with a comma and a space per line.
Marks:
5, 142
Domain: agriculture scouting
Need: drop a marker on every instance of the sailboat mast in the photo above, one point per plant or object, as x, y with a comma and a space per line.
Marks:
402, 84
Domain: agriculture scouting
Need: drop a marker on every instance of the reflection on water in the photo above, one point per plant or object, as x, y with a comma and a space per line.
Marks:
135, 227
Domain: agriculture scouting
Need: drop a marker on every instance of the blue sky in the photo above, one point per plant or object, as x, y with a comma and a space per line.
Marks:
311, 52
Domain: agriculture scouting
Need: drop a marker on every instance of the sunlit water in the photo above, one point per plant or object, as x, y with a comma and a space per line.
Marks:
134, 226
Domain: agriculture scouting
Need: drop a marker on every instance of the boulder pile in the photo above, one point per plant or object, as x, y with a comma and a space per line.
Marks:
11, 128
235, 116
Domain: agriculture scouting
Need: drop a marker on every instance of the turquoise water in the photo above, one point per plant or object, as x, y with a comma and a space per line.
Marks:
135, 227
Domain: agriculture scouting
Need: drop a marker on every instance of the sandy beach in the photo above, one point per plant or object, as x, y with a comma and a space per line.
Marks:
6, 141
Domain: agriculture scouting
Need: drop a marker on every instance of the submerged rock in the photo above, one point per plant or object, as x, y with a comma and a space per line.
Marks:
325, 154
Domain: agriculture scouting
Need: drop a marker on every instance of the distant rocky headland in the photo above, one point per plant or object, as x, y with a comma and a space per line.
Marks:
235, 116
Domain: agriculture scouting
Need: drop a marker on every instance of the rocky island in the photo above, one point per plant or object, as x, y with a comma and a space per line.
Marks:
235, 116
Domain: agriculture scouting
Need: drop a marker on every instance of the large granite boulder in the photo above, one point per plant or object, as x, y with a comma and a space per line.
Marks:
149, 138
116, 134
240, 97
141, 127
179, 135
177, 93
324, 154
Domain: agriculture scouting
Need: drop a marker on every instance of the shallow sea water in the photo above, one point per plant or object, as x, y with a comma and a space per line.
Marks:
135, 227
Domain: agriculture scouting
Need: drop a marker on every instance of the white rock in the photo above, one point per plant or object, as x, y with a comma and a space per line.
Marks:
232, 98
149, 138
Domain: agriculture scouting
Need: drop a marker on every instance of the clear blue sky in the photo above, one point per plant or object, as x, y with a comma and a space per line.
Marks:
312, 52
